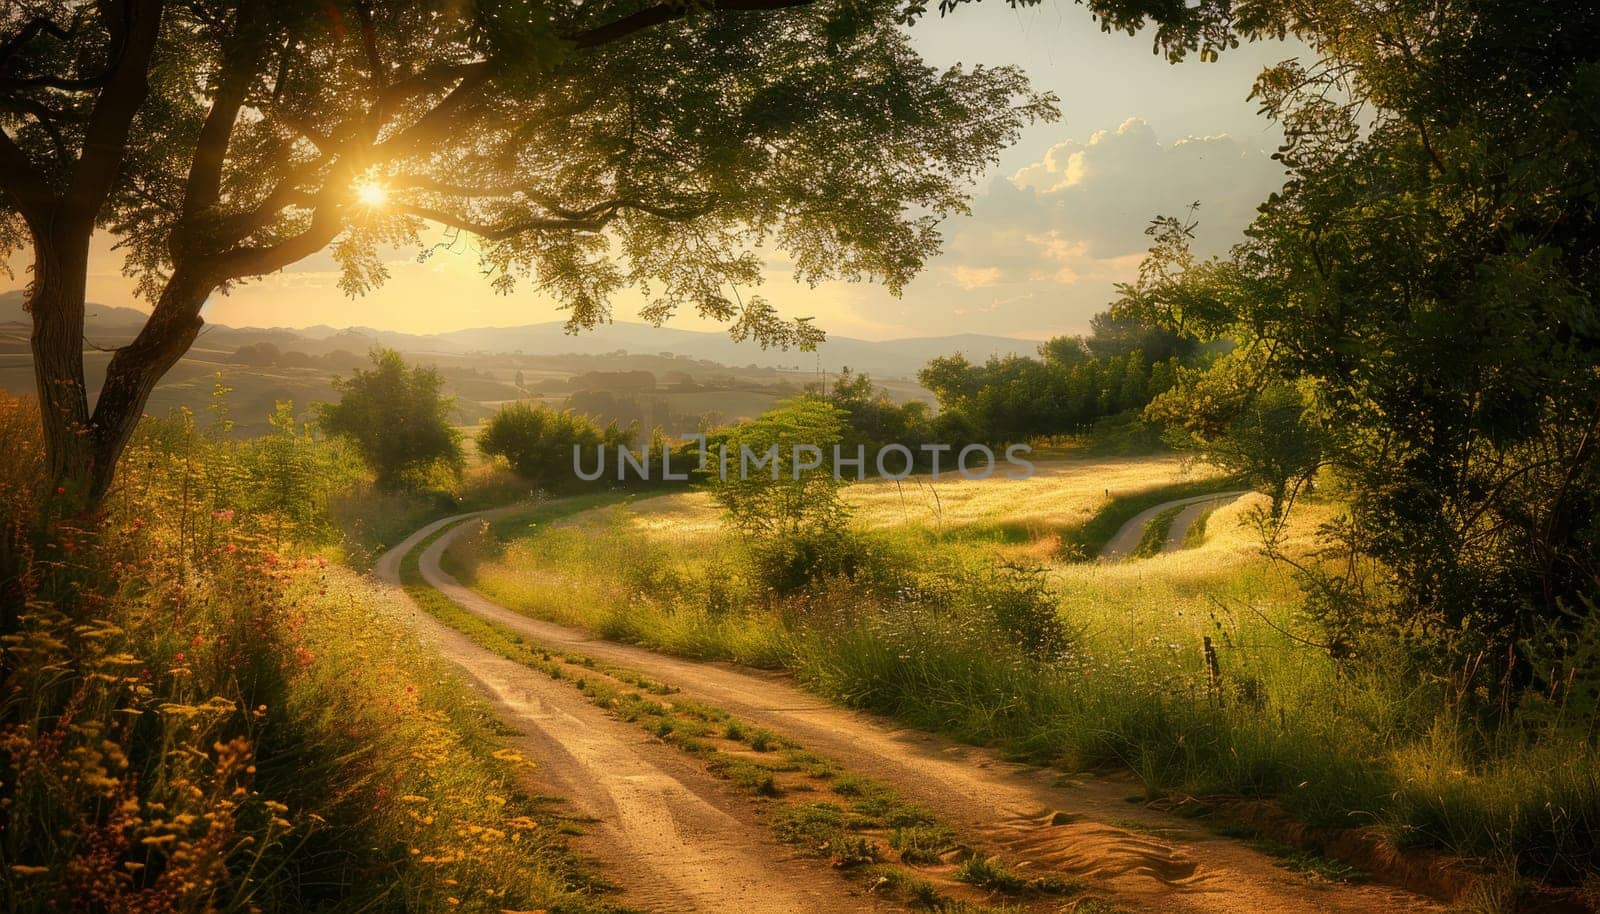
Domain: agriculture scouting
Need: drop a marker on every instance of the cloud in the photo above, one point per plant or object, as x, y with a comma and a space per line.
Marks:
970, 278
1051, 241
1104, 192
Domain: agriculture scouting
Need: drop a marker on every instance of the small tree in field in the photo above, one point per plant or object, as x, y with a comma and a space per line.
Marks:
775, 499
398, 419
788, 511
538, 441
293, 476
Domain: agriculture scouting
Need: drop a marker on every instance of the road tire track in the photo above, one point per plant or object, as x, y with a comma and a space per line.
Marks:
666, 831
1127, 538
1147, 859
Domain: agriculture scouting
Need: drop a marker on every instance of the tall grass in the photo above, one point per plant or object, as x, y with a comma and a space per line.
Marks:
1373, 742
199, 714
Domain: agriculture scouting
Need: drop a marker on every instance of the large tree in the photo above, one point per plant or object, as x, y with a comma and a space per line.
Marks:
588, 146
1428, 278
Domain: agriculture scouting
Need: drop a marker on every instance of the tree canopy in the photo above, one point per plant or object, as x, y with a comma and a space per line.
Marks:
1427, 279
583, 147
1074, 382
398, 418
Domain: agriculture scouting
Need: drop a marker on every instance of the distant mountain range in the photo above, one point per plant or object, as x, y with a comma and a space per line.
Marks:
107, 325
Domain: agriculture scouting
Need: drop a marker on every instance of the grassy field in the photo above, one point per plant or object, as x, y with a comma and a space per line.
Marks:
1066, 502
1346, 745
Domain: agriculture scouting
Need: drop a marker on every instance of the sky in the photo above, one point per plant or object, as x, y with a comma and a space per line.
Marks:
1054, 227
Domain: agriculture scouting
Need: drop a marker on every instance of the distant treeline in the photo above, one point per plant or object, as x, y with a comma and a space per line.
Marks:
1074, 382
268, 355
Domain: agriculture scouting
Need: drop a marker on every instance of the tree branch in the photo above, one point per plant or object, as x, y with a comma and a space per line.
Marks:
239, 71
135, 26
702, 203
46, 123
618, 29
327, 221
507, 230
24, 183
369, 44
27, 33
590, 219
432, 125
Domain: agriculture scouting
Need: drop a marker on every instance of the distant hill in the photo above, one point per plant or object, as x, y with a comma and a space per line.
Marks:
110, 325
98, 318
696, 376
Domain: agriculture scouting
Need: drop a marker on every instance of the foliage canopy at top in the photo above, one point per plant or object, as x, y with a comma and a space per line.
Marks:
587, 146
566, 143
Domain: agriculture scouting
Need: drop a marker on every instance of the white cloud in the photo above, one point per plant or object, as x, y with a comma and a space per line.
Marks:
1103, 192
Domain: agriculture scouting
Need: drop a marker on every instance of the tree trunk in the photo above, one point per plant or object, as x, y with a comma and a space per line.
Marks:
56, 301
136, 368
61, 220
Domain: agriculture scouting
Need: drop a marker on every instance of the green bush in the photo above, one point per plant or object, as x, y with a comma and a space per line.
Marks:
538, 441
1025, 612
398, 418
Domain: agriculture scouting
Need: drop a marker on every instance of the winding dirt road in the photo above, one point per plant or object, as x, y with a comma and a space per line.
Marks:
1129, 534
1146, 859
671, 835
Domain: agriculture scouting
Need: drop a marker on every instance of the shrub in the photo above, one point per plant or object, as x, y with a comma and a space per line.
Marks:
538, 442
194, 721
1018, 601
786, 565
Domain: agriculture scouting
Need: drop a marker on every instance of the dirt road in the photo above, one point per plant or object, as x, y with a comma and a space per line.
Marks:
666, 831
1148, 859
1128, 536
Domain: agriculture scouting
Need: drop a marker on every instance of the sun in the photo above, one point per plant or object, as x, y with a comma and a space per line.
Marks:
372, 194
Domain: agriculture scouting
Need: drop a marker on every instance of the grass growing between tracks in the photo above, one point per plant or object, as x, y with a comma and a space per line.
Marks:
1085, 540
864, 829
1350, 747
1154, 536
